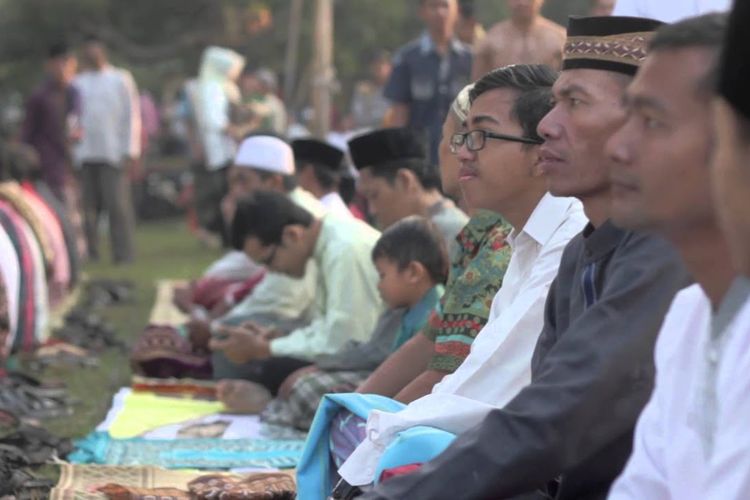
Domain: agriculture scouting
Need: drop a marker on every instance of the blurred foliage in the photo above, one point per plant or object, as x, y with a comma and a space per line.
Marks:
161, 40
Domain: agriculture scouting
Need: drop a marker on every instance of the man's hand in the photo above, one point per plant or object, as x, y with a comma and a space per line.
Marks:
267, 333
199, 333
241, 345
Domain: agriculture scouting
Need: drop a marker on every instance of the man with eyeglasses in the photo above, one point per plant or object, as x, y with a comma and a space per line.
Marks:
568, 434
499, 171
272, 229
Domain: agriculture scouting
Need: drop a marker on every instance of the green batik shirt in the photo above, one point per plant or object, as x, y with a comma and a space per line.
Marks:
476, 275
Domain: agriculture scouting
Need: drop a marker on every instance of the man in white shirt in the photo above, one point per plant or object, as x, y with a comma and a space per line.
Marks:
319, 171
668, 11
108, 150
661, 182
499, 172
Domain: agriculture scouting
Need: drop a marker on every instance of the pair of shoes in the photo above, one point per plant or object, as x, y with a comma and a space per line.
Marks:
28, 402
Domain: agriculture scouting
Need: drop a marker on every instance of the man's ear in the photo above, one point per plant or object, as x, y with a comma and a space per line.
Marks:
406, 180
533, 155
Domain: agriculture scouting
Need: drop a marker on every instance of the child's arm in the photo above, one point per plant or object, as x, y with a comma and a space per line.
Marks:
401, 368
421, 386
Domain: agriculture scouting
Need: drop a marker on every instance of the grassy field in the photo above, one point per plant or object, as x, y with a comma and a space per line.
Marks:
164, 250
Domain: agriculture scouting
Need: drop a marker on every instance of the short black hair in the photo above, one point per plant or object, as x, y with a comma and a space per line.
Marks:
328, 178
58, 50
427, 174
414, 239
264, 215
706, 31
533, 82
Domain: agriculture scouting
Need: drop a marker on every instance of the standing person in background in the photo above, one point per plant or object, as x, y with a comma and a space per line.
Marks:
51, 126
51, 115
369, 105
266, 112
468, 29
524, 38
210, 97
428, 73
109, 149
602, 7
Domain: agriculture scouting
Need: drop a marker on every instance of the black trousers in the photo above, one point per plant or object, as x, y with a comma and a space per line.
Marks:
270, 372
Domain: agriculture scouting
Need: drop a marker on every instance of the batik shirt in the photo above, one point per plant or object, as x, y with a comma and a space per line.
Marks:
475, 276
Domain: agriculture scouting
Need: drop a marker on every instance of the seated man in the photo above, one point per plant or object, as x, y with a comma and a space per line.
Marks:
413, 265
273, 230
569, 432
397, 180
691, 439
320, 168
262, 162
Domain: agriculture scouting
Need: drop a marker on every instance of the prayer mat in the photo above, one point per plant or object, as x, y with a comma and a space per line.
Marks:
164, 311
215, 454
80, 482
203, 389
259, 486
143, 412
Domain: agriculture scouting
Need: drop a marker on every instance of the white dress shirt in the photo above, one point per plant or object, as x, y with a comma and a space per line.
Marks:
335, 205
110, 117
669, 11
499, 364
692, 439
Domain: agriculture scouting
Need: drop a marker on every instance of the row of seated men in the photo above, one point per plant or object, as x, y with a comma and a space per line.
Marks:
41, 252
591, 215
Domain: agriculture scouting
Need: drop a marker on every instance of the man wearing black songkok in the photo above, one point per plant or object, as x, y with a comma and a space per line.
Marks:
568, 434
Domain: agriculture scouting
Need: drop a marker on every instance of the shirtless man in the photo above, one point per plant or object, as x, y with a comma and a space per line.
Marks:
524, 38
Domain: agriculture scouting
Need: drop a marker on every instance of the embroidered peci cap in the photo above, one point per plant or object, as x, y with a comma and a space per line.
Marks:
610, 43
265, 152
386, 146
319, 152
735, 63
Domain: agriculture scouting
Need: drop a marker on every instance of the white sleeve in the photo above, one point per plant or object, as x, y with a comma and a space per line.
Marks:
131, 117
644, 475
728, 475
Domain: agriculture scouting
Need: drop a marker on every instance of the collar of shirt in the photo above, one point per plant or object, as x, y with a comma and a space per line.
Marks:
602, 240
439, 206
476, 229
548, 215
418, 311
426, 45
731, 304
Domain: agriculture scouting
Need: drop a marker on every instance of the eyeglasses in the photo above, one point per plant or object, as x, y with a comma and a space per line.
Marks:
476, 139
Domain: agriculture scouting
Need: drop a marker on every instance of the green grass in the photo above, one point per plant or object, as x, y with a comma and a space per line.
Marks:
164, 250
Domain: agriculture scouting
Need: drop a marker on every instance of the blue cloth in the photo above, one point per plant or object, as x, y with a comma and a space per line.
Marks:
314, 469
415, 445
100, 448
428, 82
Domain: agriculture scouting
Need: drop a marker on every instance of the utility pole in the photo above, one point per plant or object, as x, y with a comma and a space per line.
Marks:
292, 54
323, 75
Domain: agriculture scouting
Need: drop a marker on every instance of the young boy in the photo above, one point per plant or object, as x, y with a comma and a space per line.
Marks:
412, 264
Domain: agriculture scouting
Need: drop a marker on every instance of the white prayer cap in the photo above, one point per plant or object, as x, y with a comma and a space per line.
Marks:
266, 152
